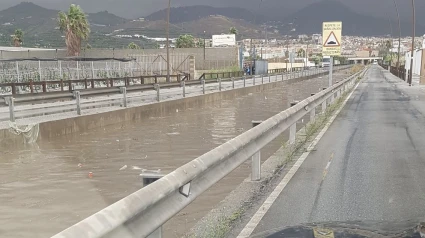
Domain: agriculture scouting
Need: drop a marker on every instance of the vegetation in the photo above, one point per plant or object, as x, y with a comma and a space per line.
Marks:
200, 43
76, 27
301, 53
133, 46
341, 59
18, 38
185, 41
233, 31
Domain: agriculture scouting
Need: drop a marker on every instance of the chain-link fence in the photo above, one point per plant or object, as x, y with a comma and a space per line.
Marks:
157, 64
215, 64
25, 71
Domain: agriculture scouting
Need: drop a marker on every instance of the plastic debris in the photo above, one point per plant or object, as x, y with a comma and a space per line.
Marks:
123, 167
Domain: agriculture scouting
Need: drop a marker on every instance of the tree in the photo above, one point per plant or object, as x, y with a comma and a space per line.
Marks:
341, 59
133, 46
76, 27
301, 53
18, 37
233, 31
185, 41
388, 45
200, 43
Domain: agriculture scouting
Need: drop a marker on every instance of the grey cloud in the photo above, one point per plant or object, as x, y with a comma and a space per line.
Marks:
137, 8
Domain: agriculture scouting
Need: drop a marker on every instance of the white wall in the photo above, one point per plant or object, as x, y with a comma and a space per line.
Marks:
417, 61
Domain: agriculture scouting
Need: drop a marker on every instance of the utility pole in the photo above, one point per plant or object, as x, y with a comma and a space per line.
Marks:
168, 41
391, 43
399, 37
204, 47
306, 56
413, 43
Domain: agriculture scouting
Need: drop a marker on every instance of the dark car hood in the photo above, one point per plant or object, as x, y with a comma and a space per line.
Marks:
352, 229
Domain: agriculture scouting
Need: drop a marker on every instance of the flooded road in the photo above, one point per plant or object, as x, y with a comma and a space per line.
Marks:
45, 188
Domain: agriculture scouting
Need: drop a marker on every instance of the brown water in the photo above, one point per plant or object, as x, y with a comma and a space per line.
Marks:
45, 188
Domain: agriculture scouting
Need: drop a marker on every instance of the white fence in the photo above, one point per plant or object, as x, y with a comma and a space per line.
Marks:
23, 71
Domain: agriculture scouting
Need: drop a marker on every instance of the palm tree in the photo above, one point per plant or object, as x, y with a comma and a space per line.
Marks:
233, 31
18, 37
76, 28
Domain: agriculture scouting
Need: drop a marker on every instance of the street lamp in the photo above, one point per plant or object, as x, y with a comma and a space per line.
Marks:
168, 41
204, 46
391, 43
413, 43
399, 37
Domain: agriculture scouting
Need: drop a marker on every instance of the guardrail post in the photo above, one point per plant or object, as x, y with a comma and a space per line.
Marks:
184, 88
123, 90
262, 78
77, 100
12, 109
219, 84
282, 76
233, 83
324, 106
293, 128
292, 133
253, 80
203, 86
158, 93
256, 160
312, 114
244, 81
147, 179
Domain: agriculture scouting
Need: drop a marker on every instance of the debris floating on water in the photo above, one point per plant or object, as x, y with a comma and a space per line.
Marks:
123, 167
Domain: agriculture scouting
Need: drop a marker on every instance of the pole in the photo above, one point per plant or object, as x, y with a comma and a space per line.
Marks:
399, 36
306, 57
391, 43
413, 43
204, 47
168, 41
331, 65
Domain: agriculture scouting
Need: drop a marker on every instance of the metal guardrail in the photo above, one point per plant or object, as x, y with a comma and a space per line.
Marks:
145, 211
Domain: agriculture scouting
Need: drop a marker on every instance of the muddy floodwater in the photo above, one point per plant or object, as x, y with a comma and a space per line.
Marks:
46, 187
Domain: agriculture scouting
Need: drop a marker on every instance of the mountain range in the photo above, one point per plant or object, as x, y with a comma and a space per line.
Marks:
40, 24
309, 20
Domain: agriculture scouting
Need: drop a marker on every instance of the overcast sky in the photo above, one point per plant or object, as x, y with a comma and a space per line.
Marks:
137, 8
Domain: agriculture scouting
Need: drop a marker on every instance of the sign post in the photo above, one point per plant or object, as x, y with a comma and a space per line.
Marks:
332, 33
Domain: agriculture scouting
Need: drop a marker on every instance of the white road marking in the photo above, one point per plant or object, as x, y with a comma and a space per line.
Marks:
327, 166
258, 216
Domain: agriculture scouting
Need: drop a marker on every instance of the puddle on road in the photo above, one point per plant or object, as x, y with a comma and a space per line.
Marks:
47, 187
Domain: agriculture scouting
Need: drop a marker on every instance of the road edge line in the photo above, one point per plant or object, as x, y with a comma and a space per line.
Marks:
258, 216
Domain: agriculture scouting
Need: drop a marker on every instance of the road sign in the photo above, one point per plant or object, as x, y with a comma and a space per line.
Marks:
332, 32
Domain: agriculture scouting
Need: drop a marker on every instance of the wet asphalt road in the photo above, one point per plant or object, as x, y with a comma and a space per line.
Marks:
376, 149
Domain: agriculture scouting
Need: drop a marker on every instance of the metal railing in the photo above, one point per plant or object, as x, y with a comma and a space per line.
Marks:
59, 85
80, 100
400, 72
221, 75
145, 211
